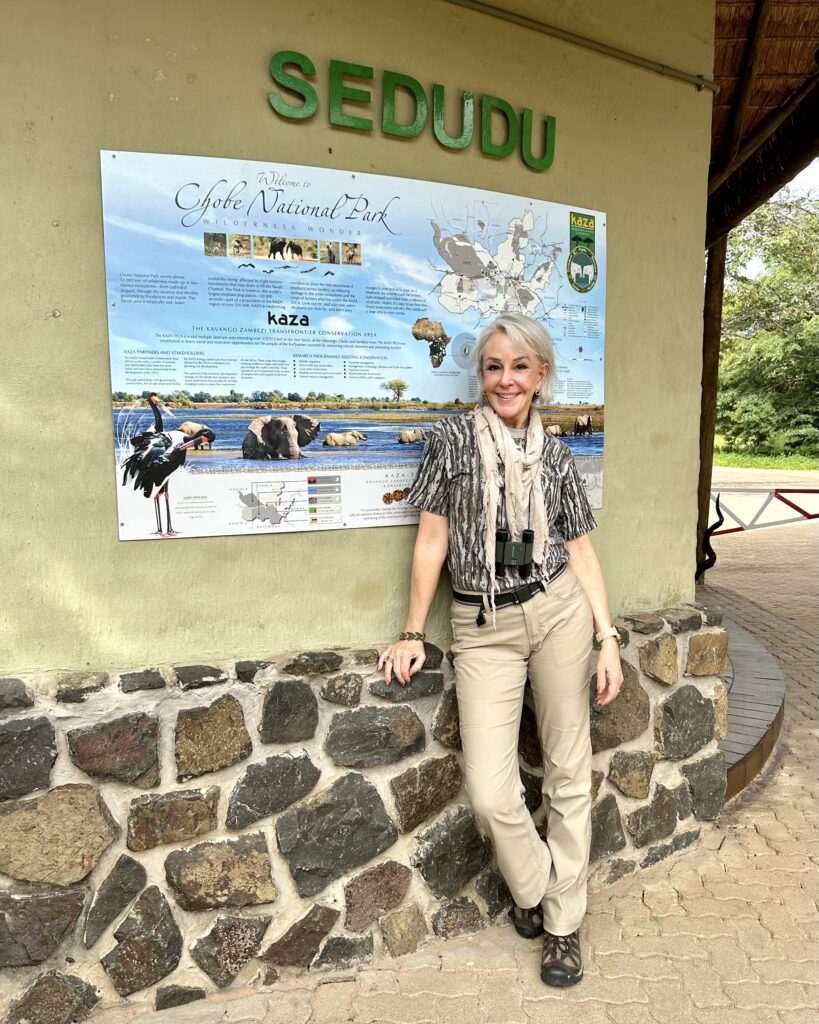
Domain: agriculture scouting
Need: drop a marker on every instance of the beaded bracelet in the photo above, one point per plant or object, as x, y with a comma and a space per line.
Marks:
412, 636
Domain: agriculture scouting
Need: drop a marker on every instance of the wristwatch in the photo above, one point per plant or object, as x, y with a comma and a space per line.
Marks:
608, 631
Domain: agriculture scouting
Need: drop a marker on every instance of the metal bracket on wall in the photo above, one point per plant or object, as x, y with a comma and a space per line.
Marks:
698, 81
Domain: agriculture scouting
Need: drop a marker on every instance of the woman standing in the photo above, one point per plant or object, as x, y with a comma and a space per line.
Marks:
503, 503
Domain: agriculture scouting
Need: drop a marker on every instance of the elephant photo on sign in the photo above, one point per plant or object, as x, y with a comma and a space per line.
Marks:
279, 437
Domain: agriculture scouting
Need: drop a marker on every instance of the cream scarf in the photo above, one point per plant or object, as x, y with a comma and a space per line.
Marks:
522, 482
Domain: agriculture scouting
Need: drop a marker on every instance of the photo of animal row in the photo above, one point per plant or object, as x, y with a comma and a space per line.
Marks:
283, 437
288, 250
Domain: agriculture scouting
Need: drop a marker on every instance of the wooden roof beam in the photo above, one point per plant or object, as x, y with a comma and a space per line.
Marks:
756, 37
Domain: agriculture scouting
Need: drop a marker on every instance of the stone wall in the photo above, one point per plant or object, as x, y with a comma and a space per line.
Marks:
166, 832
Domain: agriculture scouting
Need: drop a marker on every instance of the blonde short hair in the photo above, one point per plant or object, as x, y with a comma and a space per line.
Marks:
530, 338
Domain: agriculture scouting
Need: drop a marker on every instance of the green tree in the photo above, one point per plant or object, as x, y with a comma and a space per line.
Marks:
398, 387
768, 397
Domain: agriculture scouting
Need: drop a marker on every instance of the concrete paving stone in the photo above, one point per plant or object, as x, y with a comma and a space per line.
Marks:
595, 986
751, 892
702, 927
664, 904
391, 1008
704, 985
501, 999
333, 1003
785, 862
729, 960
668, 1002
559, 1011
606, 936
436, 982
679, 947
779, 922
807, 1015
721, 908
619, 965
630, 1013
785, 994
732, 1015
373, 982
459, 1010
803, 971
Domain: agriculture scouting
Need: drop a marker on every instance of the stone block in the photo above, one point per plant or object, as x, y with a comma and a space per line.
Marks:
369, 736
56, 838
168, 996
365, 656
433, 656
596, 782
658, 659
342, 953
246, 670
532, 790
123, 750
625, 718
228, 946
682, 619
656, 820
457, 917
720, 699
494, 891
707, 653
14, 695
422, 791
422, 684
147, 679
343, 689
171, 817
333, 832
194, 677
619, 868
123, 883
149, 945
683, 723
707, 781
32, 927
210, 738
269, 787
289, 712
631, 772
27, 752
313, 663
404, 929
445, 722
607, 836
54, 998
528, 739
644, 622
679, 842
683, 796
451, 852
374, 891
76, 687
711, 613
300, 943
229, 873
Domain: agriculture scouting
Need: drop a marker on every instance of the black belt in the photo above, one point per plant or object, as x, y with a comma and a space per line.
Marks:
507, 597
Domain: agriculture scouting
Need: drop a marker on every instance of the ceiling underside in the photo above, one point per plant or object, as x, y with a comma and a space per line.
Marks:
765, 122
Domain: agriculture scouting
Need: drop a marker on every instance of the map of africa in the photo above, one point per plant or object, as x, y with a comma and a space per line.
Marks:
516, 278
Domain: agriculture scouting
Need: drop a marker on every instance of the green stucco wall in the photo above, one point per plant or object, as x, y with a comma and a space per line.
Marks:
191, 77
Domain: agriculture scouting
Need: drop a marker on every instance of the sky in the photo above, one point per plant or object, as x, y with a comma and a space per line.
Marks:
809, 178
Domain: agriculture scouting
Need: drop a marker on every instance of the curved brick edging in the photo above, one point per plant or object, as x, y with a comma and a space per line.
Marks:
264, 818
756, 707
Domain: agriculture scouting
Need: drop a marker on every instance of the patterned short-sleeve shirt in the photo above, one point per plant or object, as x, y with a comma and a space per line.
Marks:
449, 483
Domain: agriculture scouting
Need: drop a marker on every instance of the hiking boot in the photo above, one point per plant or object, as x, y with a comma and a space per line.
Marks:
528, 923
561, 964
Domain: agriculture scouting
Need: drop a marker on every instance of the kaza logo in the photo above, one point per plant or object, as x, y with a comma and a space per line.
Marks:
288, 319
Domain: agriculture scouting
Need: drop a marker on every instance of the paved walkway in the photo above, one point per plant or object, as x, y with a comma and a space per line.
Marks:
726, 933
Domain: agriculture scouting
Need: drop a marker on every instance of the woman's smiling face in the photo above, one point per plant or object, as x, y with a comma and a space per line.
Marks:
510, 379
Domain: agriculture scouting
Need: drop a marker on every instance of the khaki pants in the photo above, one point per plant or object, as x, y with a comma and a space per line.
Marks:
549, 638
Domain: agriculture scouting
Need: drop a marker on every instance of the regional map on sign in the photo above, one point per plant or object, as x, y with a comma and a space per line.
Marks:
496, 268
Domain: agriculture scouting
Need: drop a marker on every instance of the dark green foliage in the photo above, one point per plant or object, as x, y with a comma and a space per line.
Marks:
768, 399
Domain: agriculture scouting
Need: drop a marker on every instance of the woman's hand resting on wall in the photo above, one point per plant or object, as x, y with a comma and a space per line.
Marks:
609, 671
402, 660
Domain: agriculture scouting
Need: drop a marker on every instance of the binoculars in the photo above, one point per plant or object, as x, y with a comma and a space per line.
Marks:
514, 552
